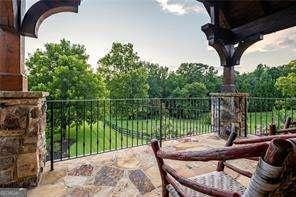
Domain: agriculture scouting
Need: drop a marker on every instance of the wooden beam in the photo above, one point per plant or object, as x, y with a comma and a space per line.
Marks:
277, 21
215, 34
42, 10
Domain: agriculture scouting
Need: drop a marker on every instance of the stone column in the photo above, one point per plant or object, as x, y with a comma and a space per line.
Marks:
22, 138
228, 109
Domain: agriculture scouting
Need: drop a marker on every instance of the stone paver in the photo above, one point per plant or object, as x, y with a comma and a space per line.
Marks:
75, 181
108, 176
141, 181
83, 170
129, 172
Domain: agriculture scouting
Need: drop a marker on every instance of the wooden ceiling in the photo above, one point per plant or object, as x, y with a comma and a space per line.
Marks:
246, 18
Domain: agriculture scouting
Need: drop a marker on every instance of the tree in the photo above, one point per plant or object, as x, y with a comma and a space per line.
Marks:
131, 84
127, 78
287, 85
125, 73
197, 72
62, 70
260, 82
192, 90
121, 58
157, 80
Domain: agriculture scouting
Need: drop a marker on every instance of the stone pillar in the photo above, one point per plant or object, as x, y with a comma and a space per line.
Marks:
22, 138
228, 109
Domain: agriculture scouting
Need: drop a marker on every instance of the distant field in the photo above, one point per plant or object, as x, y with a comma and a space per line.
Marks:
100, 137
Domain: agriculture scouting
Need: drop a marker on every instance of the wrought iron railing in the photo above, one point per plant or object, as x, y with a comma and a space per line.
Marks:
264, 111
77, 128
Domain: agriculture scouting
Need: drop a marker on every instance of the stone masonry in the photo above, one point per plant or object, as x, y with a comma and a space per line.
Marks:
228, 109
22, 138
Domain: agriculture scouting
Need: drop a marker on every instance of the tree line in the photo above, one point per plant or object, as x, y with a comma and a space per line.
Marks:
62, 70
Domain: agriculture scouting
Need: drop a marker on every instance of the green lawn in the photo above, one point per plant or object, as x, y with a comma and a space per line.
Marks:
259, 121
99, 137
90, 139
169, 124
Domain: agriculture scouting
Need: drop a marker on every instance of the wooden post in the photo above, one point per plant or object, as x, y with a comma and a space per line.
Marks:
288, 123
163, 174
228, 79
272, 129
12, 47
12, 62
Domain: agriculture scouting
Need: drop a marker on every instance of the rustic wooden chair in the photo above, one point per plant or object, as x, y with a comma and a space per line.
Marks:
219, 183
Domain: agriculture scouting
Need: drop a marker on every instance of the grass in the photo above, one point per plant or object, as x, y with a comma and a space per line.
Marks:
258, 122
99, 137
181, 126
96, 138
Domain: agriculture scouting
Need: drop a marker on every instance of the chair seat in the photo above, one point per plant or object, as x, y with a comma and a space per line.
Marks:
218, 180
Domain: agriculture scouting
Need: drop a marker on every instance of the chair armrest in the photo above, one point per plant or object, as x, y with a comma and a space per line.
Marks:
264, 139
217, 154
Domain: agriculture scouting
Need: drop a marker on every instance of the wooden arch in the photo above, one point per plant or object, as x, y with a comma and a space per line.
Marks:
42, 10
13, 28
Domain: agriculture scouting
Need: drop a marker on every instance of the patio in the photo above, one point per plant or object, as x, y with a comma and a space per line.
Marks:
128, 172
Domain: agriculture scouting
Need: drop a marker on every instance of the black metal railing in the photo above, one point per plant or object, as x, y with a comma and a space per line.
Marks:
264, 111
78, 128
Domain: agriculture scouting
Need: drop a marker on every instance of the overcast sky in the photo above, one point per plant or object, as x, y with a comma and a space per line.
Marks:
167, 32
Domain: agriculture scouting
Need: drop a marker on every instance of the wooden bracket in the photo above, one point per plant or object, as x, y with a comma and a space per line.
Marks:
42, 10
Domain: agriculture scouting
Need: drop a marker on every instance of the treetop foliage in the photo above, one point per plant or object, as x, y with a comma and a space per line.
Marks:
62, 70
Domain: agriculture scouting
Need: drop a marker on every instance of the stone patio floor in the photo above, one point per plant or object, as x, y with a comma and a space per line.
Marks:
128, 172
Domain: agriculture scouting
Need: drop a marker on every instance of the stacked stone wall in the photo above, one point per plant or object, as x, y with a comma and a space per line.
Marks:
22, 138
228, 109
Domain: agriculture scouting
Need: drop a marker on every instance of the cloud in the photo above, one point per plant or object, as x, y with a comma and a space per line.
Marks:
285, 39
179, 7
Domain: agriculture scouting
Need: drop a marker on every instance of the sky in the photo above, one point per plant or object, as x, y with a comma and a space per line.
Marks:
167, 32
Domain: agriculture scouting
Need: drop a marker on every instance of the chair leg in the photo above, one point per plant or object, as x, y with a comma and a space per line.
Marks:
230, 140
163, 174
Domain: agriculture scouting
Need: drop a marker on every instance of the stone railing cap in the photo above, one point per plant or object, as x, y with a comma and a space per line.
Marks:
230, 94
22, 95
